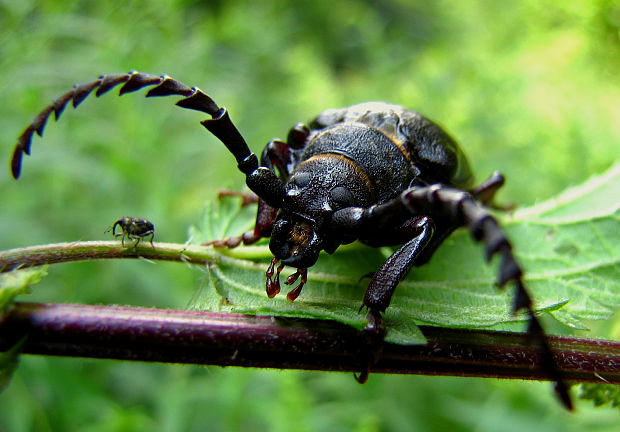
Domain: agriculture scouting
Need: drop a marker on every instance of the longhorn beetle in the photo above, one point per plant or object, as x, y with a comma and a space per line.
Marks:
373, 172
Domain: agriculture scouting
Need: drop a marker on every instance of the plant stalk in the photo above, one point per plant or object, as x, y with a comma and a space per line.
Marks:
173, 336
92, 250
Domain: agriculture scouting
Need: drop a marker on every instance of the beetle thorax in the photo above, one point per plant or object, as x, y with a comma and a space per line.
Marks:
317, 188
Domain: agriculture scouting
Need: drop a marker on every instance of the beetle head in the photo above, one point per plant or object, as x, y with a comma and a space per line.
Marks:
316, 189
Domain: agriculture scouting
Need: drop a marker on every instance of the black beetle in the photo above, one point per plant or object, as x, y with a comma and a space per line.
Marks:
134, 229
373, 172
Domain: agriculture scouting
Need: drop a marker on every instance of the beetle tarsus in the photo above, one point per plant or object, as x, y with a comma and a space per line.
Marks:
371, 344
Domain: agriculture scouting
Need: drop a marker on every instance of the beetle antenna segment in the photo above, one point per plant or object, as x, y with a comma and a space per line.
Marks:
193, 98
535, 330
463, 209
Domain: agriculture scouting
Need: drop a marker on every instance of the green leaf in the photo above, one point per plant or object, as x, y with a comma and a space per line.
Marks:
13, 284
9, 360
601, 394
17, 282
567, 245
571, 250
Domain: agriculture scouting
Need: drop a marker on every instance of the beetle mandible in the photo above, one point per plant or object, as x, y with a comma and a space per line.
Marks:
373, 172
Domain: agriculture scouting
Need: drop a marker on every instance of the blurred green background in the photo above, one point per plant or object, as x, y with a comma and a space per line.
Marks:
528, 87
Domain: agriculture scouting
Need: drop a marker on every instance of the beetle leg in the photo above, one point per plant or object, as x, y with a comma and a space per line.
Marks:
385, 280
382, 285
113, 228
152, 234
277, 154
485, 191
265, 218
298, 136
247, 198
371, 344
451, 208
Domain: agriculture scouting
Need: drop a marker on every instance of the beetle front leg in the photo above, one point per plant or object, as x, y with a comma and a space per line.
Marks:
151, 234
382, 286
385, 280
265, 218
485, 191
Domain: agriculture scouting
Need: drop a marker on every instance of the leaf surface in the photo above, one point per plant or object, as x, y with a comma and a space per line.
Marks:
17, 282
568, 247
13, 284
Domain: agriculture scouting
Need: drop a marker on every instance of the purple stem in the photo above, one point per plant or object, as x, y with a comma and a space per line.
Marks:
174, 336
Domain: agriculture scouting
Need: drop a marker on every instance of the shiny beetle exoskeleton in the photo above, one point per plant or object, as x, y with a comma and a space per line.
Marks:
372, 172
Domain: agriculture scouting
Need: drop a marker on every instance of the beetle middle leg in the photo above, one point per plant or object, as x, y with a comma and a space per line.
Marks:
485, 191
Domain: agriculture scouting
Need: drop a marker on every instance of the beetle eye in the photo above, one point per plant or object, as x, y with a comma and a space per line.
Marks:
341, 197
301, 179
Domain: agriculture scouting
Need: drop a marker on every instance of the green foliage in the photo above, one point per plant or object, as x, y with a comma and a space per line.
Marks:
15, 283
572, 267
570, 246
9, 361
528, 87
601, 394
